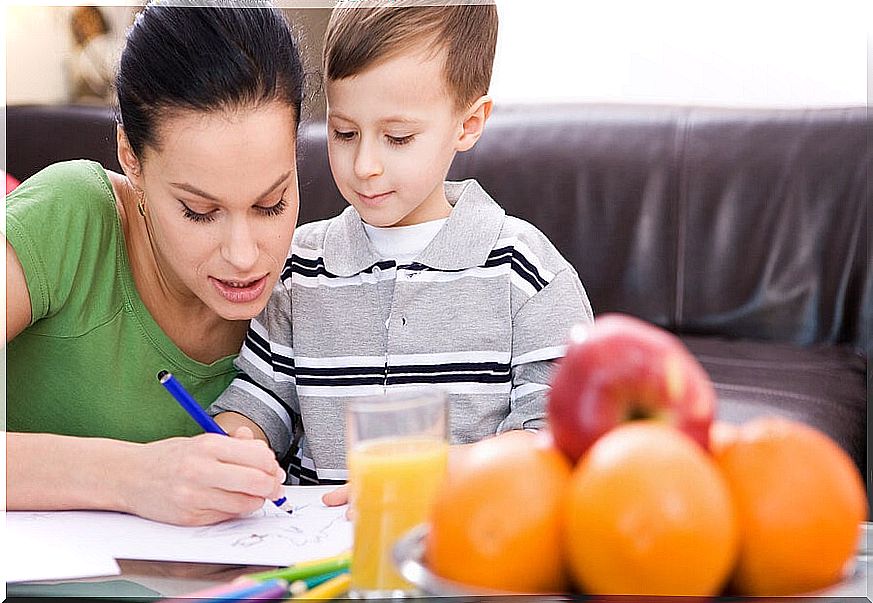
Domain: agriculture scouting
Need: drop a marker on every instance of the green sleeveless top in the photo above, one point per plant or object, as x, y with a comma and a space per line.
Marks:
86, 365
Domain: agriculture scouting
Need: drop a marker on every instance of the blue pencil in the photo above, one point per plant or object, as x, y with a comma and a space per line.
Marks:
205, 421
265, 591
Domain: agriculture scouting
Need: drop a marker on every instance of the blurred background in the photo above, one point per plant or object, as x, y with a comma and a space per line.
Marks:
768, 53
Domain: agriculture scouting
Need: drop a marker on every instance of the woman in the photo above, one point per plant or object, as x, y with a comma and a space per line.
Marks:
113, 277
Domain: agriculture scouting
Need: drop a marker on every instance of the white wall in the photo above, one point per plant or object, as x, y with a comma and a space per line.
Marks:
36, 43
38, 40
712, 52
716, 52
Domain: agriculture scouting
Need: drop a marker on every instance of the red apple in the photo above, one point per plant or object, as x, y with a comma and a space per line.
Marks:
619, 369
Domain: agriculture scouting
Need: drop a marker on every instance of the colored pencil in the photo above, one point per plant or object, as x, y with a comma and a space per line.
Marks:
306, 569
212, 591
331, 589
298, 587
237, 590
272, 590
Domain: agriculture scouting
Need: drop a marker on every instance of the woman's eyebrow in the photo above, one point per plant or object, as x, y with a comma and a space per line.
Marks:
196, 191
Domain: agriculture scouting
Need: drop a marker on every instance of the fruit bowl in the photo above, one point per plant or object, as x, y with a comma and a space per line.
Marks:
408, 556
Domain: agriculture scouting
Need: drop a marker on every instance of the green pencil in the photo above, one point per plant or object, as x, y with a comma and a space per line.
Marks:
306, 569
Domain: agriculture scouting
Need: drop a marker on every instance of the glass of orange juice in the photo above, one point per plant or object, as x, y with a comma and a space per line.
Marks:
397, 454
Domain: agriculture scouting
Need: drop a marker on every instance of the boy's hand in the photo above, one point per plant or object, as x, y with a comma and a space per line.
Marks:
201, 480
231, 422
338, 497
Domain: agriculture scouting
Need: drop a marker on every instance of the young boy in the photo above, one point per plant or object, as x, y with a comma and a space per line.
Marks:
420, 282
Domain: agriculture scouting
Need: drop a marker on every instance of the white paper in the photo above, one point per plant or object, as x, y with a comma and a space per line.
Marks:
32, 551
267, 537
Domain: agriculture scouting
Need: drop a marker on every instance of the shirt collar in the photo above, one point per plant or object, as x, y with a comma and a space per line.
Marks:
464, 241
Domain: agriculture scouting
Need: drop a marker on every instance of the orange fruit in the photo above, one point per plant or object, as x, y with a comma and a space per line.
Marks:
496, 520
648, 513
799, 499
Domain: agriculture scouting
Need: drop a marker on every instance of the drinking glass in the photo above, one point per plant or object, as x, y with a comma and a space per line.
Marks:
397, 455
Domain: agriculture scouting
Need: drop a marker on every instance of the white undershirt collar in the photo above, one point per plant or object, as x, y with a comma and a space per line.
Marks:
402, 243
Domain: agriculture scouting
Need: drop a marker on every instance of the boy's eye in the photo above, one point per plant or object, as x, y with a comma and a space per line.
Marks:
343, 136
195, 216
400, 140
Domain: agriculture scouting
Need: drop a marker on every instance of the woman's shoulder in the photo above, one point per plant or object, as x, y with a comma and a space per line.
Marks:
64, 227
68, 188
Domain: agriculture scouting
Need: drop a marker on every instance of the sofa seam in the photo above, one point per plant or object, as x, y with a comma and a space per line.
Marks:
680, 141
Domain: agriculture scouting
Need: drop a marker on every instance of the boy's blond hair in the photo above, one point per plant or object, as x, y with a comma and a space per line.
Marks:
360, 36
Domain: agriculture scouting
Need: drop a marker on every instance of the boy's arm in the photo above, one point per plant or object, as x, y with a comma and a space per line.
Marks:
263, 395
231, 421
540, 330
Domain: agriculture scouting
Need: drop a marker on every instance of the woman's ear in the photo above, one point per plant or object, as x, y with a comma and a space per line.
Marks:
474, 123
127, 158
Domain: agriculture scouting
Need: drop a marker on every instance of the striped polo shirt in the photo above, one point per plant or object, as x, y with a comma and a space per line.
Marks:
480, 313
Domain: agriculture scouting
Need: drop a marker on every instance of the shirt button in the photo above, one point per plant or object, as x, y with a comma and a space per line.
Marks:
376, 271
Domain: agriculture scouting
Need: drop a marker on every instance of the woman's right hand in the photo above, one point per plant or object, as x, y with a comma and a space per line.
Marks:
202, 479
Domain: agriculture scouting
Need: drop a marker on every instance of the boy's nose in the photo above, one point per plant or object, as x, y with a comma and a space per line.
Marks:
367, 162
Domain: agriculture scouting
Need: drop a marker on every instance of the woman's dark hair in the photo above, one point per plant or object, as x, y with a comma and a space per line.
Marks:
202, 59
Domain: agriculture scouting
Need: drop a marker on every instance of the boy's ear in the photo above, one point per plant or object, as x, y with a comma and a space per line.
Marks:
127, 158
474, 123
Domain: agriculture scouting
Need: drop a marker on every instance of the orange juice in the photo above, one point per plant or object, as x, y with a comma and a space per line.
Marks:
392, 482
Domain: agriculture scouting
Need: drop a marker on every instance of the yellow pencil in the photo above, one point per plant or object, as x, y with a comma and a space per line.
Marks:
327, 590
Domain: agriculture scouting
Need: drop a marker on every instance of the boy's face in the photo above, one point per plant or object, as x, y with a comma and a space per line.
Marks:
393, 131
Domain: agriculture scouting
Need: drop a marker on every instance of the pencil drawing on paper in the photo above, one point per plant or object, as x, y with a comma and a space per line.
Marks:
303, 528
266, 537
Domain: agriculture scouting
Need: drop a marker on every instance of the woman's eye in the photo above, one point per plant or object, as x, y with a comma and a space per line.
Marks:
343, 136
275, 209
196, 216
400, 140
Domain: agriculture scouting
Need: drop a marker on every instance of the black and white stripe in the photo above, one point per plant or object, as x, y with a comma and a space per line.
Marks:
511, 257
257, 346
482, 372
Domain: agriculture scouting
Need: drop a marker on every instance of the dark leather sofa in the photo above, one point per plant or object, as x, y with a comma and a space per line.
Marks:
742, 231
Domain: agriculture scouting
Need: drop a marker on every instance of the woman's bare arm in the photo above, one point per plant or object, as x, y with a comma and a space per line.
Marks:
189, 481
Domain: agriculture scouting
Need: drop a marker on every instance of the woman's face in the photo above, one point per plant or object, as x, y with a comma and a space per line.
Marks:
221, 204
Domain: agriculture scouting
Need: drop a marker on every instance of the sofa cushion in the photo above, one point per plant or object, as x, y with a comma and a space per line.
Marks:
39, 135
707, 221
823, 386
774, 244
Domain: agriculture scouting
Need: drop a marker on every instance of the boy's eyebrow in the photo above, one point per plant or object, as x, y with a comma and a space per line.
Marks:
399, 119
391, 119
196, 191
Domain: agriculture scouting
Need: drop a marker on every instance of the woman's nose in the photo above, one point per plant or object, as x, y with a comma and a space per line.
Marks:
240, 246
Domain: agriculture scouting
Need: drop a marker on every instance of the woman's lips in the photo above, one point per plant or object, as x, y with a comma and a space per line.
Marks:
240, 292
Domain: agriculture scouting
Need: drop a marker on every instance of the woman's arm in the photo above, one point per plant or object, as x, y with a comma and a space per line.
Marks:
188, 481
17, 296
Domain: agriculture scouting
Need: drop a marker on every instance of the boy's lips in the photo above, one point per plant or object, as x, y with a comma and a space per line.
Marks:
240, 291
374, 200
